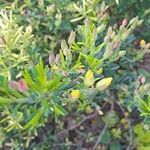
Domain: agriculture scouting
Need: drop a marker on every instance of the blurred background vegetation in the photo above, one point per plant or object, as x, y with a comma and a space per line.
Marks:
49, 18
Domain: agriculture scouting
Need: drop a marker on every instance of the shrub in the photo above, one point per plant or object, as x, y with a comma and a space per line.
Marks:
53, 81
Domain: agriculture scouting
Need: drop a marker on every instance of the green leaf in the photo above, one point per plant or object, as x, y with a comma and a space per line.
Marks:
41, 74
92, 61
115, 146
62, 59
99, 48
46, 109
38, 79
5, 101
34, 121
58, 111
54, 83
144, 107
78, 64
106, 137
29, 80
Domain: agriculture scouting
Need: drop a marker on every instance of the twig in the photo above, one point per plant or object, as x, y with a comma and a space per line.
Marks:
81, 122
81, 133
128, 121
69, 144
103, 131
130, 128
77, 125
100, 137
66, 144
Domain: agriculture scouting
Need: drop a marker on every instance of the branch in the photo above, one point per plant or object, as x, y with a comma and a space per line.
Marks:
77, 125
100, 137
129, 125
81, 122
103, 131
128, 121
68, 144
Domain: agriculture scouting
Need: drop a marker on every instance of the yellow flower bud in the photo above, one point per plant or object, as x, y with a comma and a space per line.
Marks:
88, 109
126, 114
89, 78
75, 94
55, 67
104, 83
142, 43
123, 121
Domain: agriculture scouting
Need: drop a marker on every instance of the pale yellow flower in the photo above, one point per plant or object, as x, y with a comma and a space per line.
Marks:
55, 67
142, 43
75, 94
89, 78
104, 83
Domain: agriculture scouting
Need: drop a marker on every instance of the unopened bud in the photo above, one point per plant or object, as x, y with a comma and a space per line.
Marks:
29, 29
122, 53
71, 39
109, 30
142, 79
57, 59
124, 22
104, 83
113, 34
116, 45
64, 47
51, 59
22, 85
51, 8
142, 43
89, 78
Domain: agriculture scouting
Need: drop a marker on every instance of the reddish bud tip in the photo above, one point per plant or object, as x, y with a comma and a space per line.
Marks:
124, 22
22, 85
13, 85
